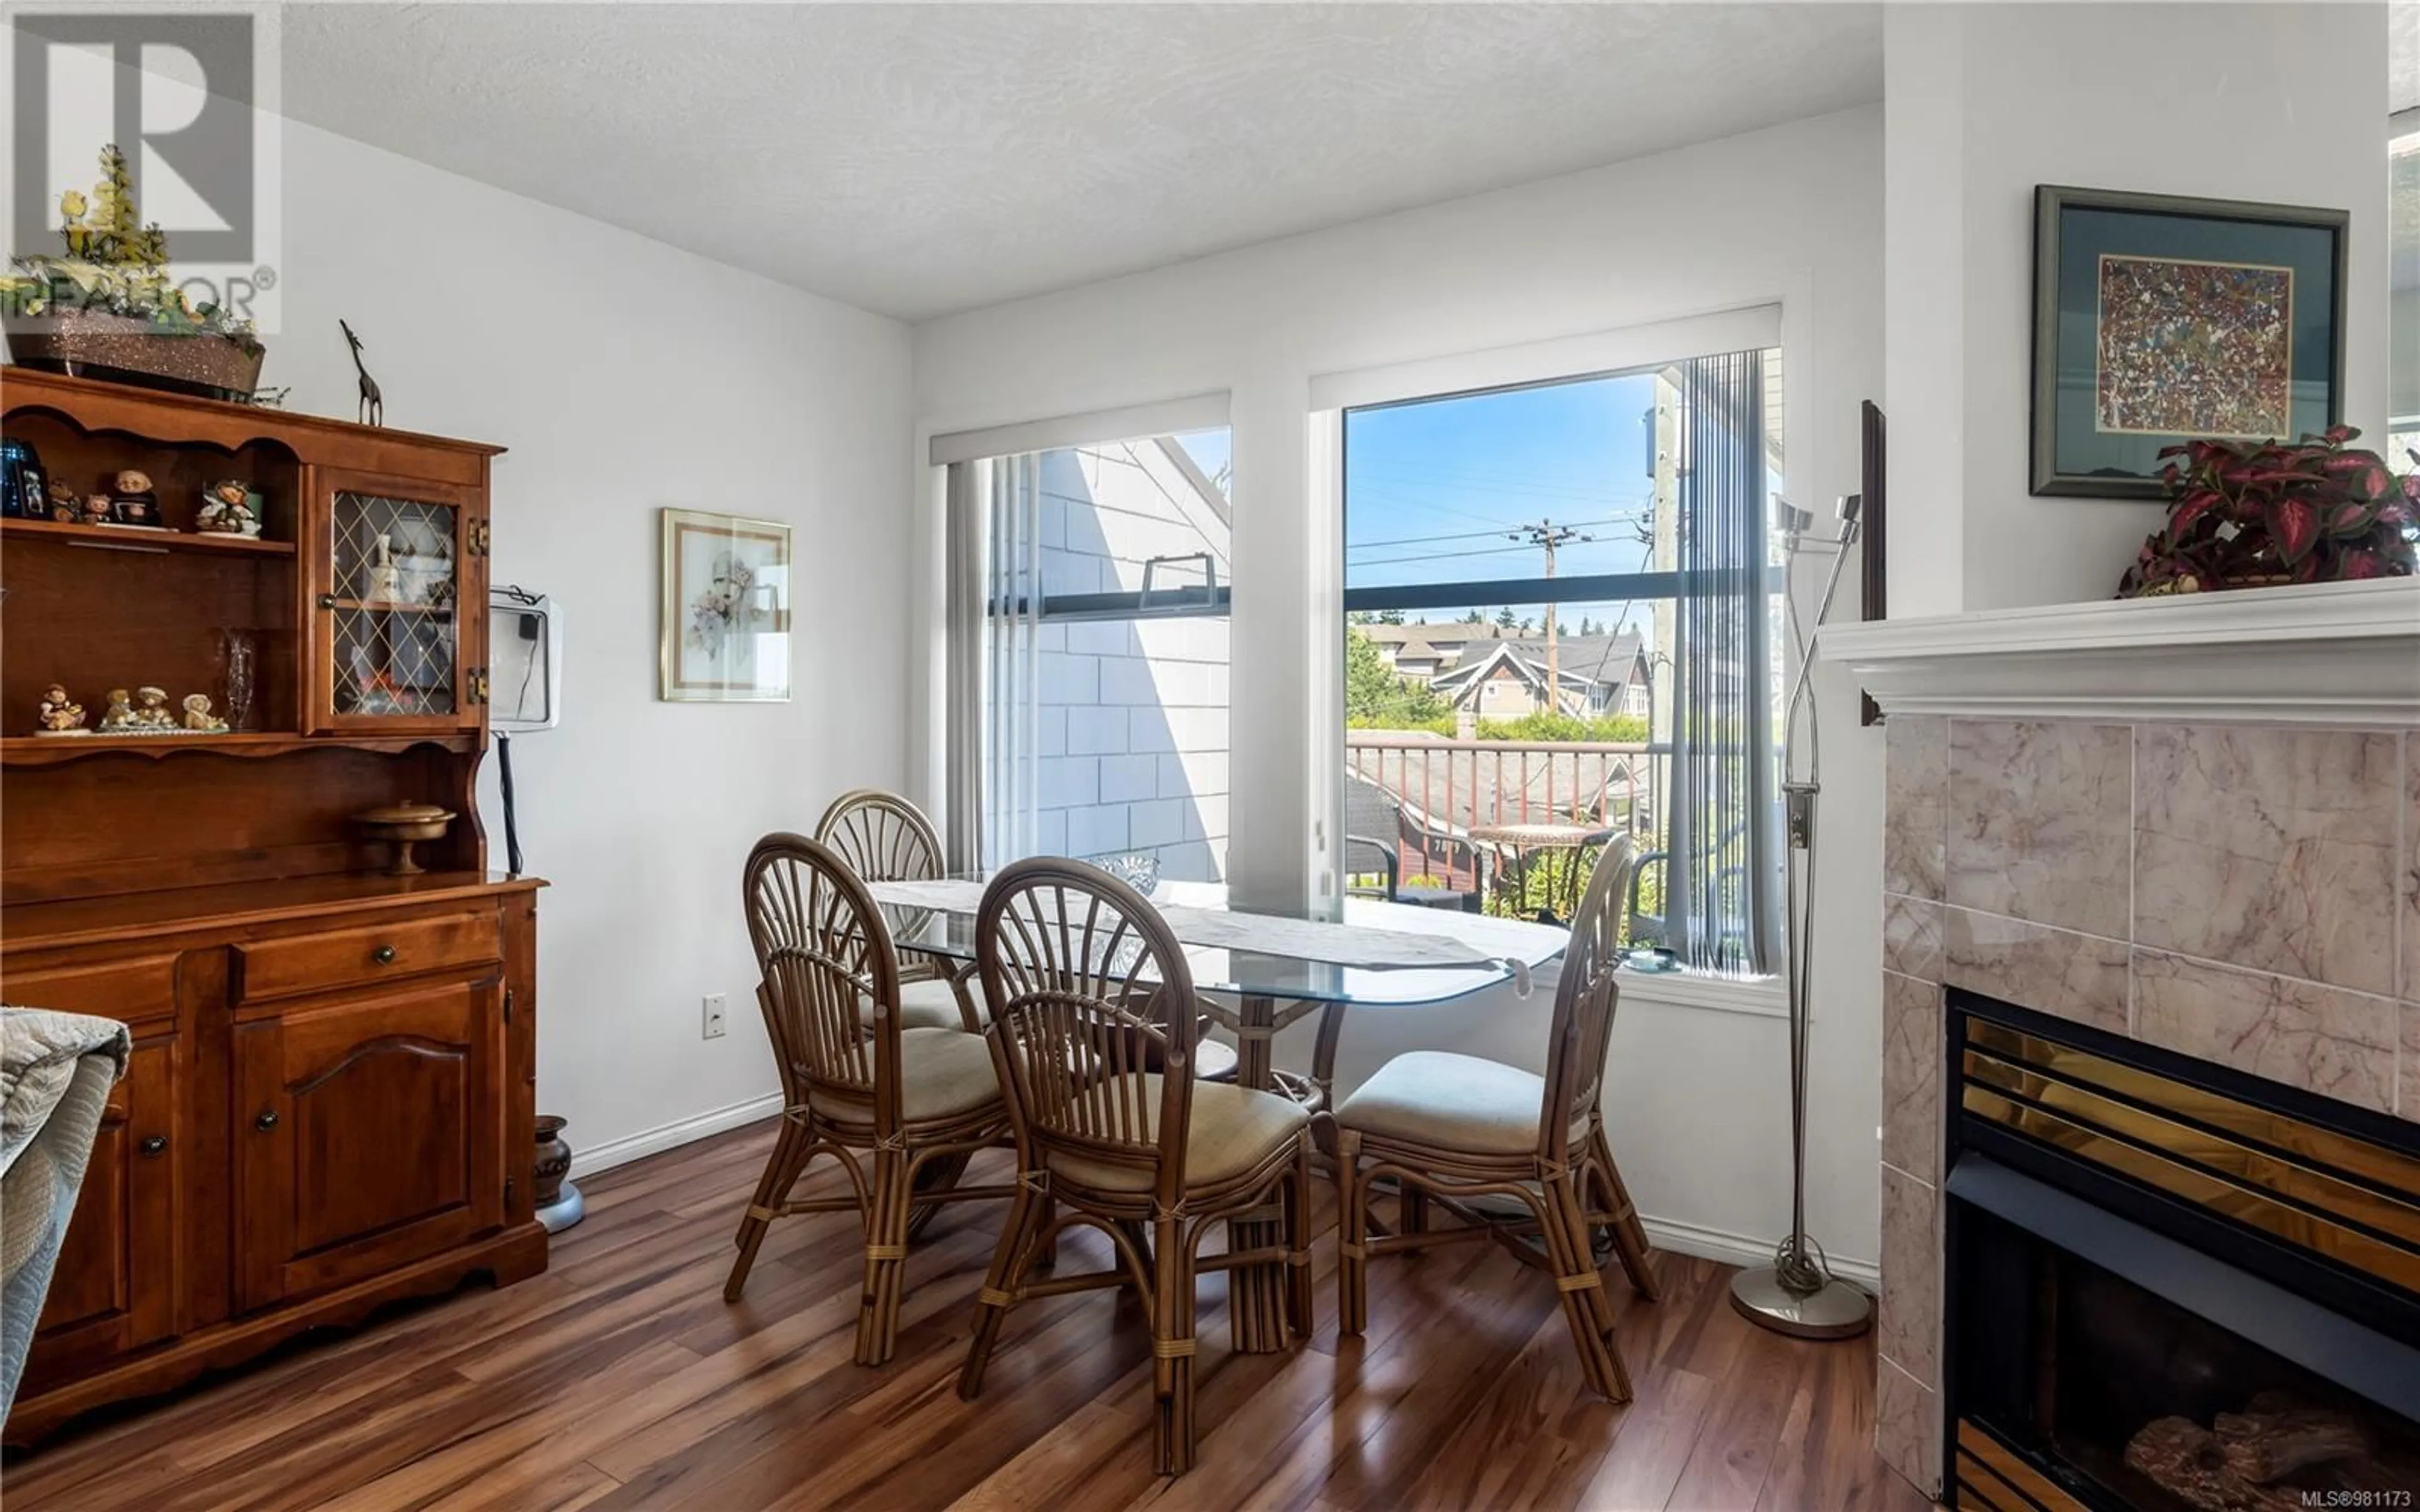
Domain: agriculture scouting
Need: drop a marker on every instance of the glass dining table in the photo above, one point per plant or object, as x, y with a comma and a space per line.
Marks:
1323, 960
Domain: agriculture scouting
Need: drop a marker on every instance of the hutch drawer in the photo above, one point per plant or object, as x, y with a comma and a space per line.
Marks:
133, 990
365, 953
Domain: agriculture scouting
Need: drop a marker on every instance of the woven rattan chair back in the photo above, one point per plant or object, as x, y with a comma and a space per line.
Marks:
827, 961
1091, 996
1585, 1002
884, 838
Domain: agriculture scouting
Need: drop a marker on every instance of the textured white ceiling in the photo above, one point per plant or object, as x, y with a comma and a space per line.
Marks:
920, 158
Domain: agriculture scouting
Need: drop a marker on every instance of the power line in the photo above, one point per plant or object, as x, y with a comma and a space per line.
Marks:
1469, 536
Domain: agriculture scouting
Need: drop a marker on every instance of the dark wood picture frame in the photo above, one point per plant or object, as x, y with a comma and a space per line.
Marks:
2052, 203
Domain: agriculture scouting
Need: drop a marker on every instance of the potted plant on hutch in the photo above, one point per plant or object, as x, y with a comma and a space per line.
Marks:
2253, 513
109, 309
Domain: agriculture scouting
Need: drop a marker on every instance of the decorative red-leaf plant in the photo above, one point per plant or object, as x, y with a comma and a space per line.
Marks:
2243, 514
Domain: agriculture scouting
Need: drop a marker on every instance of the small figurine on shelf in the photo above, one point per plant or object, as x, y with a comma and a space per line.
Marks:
96, 509
133, 502
60, 715
151, 714
65, 507
119, 718
229, 508
199, 717
385, 580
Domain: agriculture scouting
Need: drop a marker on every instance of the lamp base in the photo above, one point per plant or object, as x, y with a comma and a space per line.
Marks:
1838, 1311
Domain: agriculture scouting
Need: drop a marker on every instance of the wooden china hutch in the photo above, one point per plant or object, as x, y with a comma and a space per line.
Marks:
329, 1106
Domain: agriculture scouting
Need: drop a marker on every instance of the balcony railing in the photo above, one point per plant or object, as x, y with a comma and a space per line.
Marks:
1441, 790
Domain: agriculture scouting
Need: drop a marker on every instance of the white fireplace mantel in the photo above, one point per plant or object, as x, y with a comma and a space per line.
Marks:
2333, 654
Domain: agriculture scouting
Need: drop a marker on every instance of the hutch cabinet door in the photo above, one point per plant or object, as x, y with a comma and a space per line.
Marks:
115, 1289
368, 1132
398, 583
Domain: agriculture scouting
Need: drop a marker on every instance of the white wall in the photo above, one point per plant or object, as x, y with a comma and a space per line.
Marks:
1791, 215
2283, 103
625, 375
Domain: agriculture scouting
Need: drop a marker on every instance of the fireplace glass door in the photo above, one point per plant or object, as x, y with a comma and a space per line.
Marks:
2127, 1400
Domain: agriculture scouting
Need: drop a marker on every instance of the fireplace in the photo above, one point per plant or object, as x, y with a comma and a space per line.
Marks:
2170, 1285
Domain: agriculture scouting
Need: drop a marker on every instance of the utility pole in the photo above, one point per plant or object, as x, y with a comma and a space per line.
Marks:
1547, 535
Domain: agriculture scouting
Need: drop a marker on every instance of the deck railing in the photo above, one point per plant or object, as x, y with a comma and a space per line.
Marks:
1446, 788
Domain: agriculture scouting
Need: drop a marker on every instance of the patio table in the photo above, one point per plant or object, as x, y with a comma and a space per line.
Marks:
1525, 838
1318, 961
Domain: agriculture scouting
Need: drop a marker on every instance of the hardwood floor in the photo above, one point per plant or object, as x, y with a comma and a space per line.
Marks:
621, 1379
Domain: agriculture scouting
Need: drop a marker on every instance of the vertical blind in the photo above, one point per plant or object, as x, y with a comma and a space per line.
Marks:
1722, 836
1007, 709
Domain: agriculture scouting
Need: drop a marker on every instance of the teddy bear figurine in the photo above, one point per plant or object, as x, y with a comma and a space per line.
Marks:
118, 720
151, 715
198, 717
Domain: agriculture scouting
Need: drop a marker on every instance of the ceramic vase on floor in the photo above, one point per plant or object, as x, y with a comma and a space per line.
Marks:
557, 1200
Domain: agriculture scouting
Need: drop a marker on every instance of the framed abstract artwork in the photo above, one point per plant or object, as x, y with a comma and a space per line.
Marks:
2159, 319
726, 609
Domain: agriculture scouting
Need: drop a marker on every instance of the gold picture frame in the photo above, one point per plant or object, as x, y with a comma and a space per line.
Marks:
724, 636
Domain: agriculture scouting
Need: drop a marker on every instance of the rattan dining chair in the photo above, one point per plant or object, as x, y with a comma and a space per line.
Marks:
889, 1104
885, 838
1459, 1127
1090, 992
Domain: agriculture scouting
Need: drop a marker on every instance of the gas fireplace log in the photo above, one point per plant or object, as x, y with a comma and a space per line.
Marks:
2188, 1462
2266, 1447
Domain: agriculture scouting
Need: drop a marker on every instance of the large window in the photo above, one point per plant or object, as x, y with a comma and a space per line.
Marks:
1102, 671
1561, 613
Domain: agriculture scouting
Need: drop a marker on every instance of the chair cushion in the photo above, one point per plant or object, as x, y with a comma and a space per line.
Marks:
1449, 1101
944, 1073
932, 1004
1230, 1129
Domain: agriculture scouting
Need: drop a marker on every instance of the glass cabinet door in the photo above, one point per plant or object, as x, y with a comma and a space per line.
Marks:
393, 610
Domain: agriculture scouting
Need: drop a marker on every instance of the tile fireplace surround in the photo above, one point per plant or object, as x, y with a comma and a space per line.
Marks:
2190, 820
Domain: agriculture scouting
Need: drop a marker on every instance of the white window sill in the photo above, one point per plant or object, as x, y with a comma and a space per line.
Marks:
1762, 995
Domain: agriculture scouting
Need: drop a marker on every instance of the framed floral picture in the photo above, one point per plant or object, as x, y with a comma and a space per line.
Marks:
726, 610
2159, 319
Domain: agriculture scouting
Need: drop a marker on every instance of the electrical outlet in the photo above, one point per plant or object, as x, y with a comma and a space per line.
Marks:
712, 1029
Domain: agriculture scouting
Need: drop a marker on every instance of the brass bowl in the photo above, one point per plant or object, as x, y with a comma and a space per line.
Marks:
404, 826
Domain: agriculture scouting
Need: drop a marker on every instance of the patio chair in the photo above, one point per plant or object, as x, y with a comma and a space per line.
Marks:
1373, 829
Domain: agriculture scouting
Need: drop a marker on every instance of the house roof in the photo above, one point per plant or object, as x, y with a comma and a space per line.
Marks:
1583, 661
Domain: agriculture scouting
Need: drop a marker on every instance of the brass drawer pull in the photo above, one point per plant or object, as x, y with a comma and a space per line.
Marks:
383, 955
154, 1145
265, 1121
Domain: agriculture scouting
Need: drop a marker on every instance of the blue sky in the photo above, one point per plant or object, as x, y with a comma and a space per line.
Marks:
1433, 490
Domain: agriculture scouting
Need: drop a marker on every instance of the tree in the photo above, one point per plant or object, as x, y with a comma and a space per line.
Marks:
1474, 617
1390, 616
1374, 697
1506, 619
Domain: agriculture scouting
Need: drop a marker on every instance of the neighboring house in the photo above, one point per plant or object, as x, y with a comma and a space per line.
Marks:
1130, 728
1497, 674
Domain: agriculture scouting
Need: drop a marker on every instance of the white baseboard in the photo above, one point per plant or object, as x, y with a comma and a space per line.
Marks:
1663, 1233
604, 1157
1741, 1250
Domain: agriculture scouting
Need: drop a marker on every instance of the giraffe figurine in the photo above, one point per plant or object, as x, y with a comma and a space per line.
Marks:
373, 406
